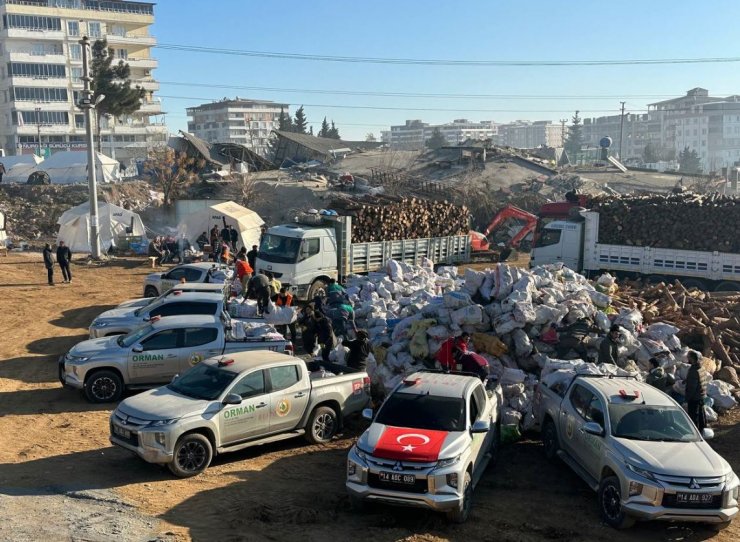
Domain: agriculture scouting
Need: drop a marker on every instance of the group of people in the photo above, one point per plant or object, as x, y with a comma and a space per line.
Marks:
63, 259
168, 248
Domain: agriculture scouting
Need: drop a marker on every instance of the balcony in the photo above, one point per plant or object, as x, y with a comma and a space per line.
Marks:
27, 55
131, 39
146, 84
145, 63
38, 80
33, 34
46, 129
151, 108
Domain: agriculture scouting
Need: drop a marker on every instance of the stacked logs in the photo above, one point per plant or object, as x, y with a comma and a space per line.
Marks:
709, 321
389, 218
679, 221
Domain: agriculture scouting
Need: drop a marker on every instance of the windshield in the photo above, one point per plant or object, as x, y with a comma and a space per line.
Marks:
135, 336
648, 422
423, 412
203, 382
279, 249
156, 303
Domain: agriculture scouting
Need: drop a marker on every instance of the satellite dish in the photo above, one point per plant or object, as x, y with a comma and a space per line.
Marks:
605, 142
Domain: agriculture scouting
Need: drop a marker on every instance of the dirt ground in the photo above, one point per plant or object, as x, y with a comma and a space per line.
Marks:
60, 479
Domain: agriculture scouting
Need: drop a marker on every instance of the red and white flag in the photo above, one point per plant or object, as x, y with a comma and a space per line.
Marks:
410, 444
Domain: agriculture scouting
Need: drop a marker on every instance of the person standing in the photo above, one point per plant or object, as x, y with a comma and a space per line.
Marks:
324, 334
285, 299
659, 378
308, 329
243, 273
64, 257
49, 263
697, 380
259, 287
252, 257
2, 171
233, 237
275, 285
451, 350
213, 236
609, 347
225, 235
359, 350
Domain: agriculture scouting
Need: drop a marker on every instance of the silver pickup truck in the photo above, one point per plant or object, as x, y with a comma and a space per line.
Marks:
157, 283
232, 402
155, 352
638, 449
202, 287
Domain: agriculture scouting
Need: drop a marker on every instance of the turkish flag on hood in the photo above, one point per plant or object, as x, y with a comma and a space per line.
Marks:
410, 444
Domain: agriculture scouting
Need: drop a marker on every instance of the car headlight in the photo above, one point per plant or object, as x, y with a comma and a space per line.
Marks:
447, 462
161, 423
641, 472
362, 454
75, 359
99, 324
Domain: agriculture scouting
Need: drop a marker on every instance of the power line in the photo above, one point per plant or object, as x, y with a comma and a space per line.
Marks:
439, 61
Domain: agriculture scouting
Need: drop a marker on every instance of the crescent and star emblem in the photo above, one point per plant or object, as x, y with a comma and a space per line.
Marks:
408, 447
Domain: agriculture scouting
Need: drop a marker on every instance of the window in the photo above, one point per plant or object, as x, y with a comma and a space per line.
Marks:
76, 74
283, 377
32, 22
192, 275
122, 54
119, 30
198, 336
549, 237
79, 121
75, 51
176, 274
41, 117
251, 385
176, 309
587, 405
310, 248
39, 94
160, 341
31, 69
73, 28
94, 30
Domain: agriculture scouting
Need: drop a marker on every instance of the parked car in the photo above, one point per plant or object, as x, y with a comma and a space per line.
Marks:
636, 447
157, 283
203, 287
229, 403
428, 445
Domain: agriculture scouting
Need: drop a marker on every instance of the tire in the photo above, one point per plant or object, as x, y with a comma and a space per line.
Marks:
318, 288
610, 504
103, 387
657, 279
151, 291
693, 283
192, 455
550, 441
322, 425
460, 514
727, 286
717, 527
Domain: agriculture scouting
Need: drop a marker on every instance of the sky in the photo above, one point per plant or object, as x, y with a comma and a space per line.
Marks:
473, 30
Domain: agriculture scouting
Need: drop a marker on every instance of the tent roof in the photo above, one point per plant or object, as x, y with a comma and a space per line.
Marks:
84, 209
68, 159
25, 159
245, 216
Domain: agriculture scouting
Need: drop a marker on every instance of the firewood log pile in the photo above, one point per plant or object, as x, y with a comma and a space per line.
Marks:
388, 218
686, 221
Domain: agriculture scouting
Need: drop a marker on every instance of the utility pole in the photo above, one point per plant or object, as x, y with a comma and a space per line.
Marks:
87, 104
38, 130
621, 130
562, 131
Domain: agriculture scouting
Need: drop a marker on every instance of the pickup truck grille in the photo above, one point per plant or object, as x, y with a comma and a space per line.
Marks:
715, 482
669, 501
130, 421
420, 486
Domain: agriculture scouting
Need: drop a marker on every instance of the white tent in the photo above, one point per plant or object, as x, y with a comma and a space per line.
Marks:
69, 167
18, 168
246, 222
74, 226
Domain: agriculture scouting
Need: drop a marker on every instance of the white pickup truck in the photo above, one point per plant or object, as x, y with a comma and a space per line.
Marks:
157, 283
638, 449
428, 445
202, 287
232, 402
155, 352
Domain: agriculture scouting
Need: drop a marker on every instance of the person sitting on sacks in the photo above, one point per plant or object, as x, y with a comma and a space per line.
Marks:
471, 362
359, 350
574, 335
451, 349
659, 378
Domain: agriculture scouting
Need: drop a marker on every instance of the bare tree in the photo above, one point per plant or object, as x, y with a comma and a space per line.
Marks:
171, 172
244, 189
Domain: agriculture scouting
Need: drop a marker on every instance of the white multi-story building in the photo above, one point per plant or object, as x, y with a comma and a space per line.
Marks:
42, 66
524, 134
414, 133
248, 122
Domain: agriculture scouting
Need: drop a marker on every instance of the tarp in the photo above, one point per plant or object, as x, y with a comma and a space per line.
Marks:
18, 168
74, 226
69, 167
246, 222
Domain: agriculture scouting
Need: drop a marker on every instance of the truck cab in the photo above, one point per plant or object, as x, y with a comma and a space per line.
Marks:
560, 241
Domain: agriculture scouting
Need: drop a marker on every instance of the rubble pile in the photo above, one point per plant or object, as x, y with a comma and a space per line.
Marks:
679, 221
32, 211
511, 313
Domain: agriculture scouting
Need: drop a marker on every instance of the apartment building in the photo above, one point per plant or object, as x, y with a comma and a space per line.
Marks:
524, 134
635, 133
414, 133
243, 121
42, 66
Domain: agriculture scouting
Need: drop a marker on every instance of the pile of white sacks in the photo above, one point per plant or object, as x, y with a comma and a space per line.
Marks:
409, 311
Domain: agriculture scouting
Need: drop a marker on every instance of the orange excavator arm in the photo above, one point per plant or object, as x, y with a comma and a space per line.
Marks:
480, 240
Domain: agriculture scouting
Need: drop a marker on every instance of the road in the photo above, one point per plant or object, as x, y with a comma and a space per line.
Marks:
60, 479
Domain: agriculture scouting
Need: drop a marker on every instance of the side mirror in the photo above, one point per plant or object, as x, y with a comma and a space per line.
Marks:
593, 428
137, 348
481, 426
707, 433
163, 276
232, 399
367, 413
175, 378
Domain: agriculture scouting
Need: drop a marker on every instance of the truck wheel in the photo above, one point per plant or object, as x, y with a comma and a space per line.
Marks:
103, 387
693, 283
610, 504
151, 291
322, 425
717, 527
727, 286
192, 455
550, 440
318, 288
460, 514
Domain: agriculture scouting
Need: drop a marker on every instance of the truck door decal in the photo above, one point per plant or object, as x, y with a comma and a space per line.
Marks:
283, 408
196, 358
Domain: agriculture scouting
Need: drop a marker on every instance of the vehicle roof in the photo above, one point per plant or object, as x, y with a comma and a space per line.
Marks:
198, 265
194, 296
610, 388
185, 320
244, 361
200, 286
438, 384
297, 230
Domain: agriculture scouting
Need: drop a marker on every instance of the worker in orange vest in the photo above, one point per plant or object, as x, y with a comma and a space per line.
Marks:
285, 299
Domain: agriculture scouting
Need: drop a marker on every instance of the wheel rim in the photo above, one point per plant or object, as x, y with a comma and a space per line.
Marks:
323, 427
610, 502
104, 388
191, 456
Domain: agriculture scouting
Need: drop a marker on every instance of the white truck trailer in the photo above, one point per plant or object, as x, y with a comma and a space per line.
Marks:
304, 257
575, 244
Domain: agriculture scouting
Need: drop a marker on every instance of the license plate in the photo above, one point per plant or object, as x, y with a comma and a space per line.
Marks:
121, 432
694, 498
397, 478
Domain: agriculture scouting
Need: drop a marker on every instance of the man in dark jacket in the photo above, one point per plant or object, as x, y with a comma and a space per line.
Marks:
574, 337
609, 347
64, 256
49, 263
308, 329
359, 350
324, 334
202, 240
659, 378
696, 390
252, 257
226, 235
233, 237
259, 288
